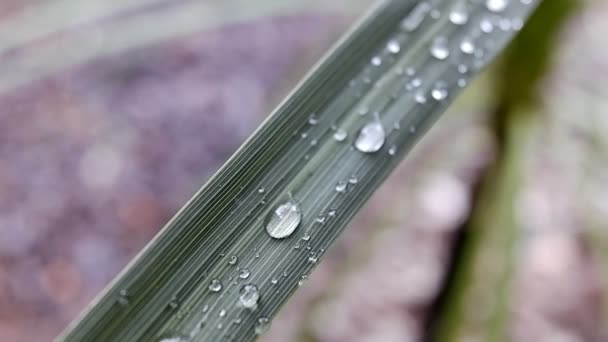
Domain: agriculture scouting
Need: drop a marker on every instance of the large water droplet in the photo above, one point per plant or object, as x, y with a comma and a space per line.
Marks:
416, 16
439, 48
496, 5
371, 137
283, 220
249, 296
215, 286
262, 325
340, 134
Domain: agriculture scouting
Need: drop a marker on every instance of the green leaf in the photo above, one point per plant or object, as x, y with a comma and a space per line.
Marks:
309, 168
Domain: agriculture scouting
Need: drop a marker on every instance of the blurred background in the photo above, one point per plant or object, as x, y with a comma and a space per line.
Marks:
112, 113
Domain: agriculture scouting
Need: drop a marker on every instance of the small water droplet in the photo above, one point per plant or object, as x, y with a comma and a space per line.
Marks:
412, 129
220, 326
320, 219
416, 16
283, 220
486, 25
261, 190
205, 308
393, 46
353, 180
371, 137
249, 296
233, 260
313, 258
261, 325
341, 186
340, 134
244, 274
463, 68
173, 303
420, 97
304, 135
467, 46
376, 61
306, 237
222, 313
215, 286
392, 150
497, 5
410, 71
462, 82
237, 321
313, 142
313, 120
459, 16
331, 213
439, 48
274, 280
302, 280
439, 92
123, 297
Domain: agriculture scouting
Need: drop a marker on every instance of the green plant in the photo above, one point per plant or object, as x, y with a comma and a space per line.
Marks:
224, 265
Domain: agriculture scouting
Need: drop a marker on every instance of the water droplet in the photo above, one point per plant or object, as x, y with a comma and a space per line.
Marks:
467, 46
173, 303
313, 258
237, 321
392, 150
320, 219
353, 180
220, 326
376, 61
459, 16
439, 48
244, 274
313, 142
371, 137
261, 190
123, 297
302, 280
420, 97
215, 286
262, 325
306, 237
416, 16
341, 186
222, 313
486, 25
249, 296
462, 82
284, 220
205, 308
410, 71
274, 281
340, 134
304, 135
331, 213
393, 46
313, 120
496, 5
463, 68
439, 92
233, 260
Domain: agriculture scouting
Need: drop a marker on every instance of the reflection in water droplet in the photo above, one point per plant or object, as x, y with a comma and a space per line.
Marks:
215, 285
439, 48
283, 220
341, 186
496, 5
371, 137
249, 296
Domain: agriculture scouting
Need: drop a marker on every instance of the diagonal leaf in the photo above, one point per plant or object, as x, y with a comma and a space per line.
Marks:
308, 168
